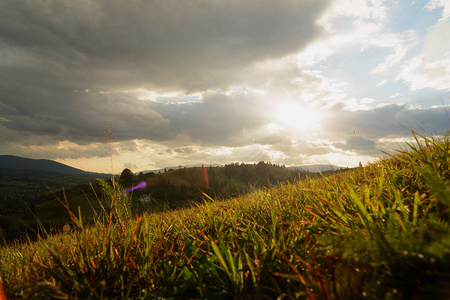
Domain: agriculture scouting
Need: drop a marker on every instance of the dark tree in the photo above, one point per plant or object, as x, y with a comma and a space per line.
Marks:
127, 177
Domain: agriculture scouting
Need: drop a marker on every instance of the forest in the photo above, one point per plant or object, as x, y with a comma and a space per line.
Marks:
174, 185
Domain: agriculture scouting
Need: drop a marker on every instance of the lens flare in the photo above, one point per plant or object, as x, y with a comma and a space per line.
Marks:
205, 177
140, 185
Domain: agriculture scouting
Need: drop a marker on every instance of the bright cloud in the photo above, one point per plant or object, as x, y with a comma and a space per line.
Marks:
421, 74
431, 69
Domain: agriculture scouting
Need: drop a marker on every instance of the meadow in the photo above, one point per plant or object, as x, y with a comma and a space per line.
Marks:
375, 232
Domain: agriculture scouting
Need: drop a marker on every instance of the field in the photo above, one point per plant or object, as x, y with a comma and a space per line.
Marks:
374, 232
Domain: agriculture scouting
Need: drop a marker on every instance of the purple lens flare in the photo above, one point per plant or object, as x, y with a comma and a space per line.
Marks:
140, 185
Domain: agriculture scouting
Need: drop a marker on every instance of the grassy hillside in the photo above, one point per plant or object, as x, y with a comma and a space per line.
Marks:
27, 204
377, 232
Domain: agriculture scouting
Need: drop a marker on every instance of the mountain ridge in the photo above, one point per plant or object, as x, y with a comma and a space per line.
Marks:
21, 166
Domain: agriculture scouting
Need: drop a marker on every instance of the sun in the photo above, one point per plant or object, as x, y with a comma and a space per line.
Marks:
298, 117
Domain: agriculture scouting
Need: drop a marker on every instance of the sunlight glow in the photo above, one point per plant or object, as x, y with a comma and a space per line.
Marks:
297, 117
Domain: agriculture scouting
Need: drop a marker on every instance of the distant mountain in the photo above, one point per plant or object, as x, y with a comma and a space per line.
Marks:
16, 166
316, 168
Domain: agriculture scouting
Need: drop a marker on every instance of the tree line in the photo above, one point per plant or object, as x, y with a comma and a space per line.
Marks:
220, 182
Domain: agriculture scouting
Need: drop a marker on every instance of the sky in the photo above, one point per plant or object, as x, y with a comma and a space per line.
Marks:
108, 84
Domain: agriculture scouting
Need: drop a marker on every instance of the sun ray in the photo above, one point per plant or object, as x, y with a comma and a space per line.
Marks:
297, 117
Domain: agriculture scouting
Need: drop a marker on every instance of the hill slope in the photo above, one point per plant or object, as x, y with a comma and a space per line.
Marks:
16, 166
23, 176
375, 232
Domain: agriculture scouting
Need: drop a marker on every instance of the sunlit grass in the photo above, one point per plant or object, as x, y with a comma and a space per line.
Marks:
381, 231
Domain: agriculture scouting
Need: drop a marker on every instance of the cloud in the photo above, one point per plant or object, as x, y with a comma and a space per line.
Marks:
229, 118
218, 120
430, 69
158, 44
130, 165
347, 23
382, 82
421, 74
202, 81
67, 69
384, 121
400, 43
80, 117
364, 132
444, 4
356, 10
364, 23
358, 144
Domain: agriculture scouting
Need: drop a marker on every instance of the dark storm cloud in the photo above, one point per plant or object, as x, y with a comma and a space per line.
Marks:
82, 116
66, 69
218, 120
167, 43
65, 66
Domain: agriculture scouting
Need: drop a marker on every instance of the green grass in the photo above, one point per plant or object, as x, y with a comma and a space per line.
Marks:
377, 232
